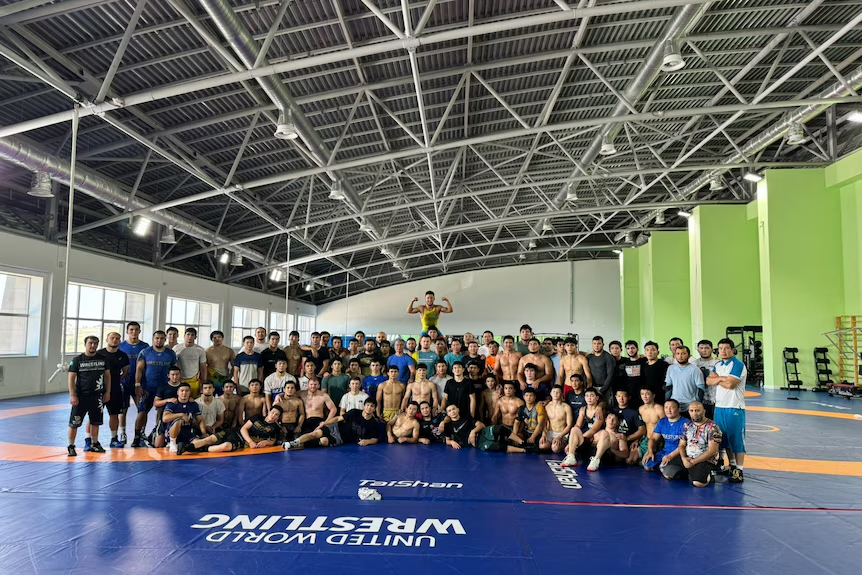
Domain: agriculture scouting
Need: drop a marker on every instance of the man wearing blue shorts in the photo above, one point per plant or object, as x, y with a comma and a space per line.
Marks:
151, 372
728, 378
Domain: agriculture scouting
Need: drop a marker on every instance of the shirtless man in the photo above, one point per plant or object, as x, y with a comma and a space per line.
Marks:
421, 390
506, 366
294, 354
319, 407
389, 395
507, 406
293, 411
573, 362
560, 422
651, 413
405, 427
544, 367
219, 361
231, 404
490, 396
252, 404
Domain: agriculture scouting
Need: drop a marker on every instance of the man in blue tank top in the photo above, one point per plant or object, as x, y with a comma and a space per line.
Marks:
151, 372
132, 346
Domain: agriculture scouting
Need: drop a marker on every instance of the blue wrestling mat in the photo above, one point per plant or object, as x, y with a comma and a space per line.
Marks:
443, 511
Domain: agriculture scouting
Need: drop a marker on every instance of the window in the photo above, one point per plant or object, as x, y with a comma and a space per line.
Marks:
282, 323
20, 306
185, 313
305, 327
245, 321
98, 311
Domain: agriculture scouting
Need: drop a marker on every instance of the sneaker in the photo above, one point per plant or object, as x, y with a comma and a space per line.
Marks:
97, 448
123, 439
295, 444
71, 451
88, 444
138, 441
181, 447
173, 448
569, 461
594, 464
736, 475
115, 443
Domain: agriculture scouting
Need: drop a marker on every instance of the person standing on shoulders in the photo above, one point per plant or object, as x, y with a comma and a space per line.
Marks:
429, 311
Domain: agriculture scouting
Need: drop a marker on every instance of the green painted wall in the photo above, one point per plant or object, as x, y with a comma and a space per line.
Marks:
801, 266
720, 236
851, 216
630, 284
671, 287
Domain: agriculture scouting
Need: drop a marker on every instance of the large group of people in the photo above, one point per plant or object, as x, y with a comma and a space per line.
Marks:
679, 415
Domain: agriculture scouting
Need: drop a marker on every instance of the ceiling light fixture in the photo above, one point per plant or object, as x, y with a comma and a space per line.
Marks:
141, 226
659, 219
225, 258
286, 127
40, 185
236, 261
336, 192
277, 275
405, 275
364, 227
169, 237
796, 135
672, 60
855, 116
684, 214
716, 184
385, 251
572, 193
532, 244
608, 148
618, 251
630, 237
308, 287
547, 227
522, 256
752, 177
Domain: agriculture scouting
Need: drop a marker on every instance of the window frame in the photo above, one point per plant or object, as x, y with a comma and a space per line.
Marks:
215, 317
33, 327
145, 320
245, 330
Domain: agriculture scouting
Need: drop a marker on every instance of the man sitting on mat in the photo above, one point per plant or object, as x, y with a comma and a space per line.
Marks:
355, 426
404, 427
697, 454
665, 436
256, 433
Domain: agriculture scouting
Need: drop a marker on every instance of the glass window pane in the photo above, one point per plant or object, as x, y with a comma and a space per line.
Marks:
205, 313
236, 337
192, 309
71, 335
91, 302
13, 335
176, 310
87, 328
72, 301
237, 315
108, 328
115, 301
135, 304
14, 294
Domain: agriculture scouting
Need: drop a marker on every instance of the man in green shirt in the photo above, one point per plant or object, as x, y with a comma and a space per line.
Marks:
336, 383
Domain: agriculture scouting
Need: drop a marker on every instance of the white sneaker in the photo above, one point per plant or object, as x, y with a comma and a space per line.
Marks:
295, 444
594, 464
569, 461
173, 448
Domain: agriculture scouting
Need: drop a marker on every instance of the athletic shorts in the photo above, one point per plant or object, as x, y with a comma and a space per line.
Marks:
118, 401
90, 406
217, 380
146, 403
333, 434
389, 413
700, 473
187, 432
195, 385
232, 436
311, 424
732, 424
643, 446
493, 438
552, 435
287, 432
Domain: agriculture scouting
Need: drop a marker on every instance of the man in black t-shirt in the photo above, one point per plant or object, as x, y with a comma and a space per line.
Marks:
575, 397
255, 433
460, 431
366, 357
89, 387
631, 371
167, 393
357, 426
317, 355
655, 375
459, 391
118, 365
272, 354
631, 425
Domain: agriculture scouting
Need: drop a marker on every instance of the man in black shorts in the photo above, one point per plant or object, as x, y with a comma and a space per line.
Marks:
183, 419
697, 454
256, 433
89, 389
356, 426
118, 365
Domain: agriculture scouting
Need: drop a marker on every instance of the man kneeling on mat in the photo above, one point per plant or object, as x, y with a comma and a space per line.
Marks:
356, 426
697, 454
255, 433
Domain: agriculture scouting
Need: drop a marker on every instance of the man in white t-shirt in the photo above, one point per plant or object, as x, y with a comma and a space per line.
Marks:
440, 378
353, 399
273, 385
192, 360
260, 340
728, 378
212, 408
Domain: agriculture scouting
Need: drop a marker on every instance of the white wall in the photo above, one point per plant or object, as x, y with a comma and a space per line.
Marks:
29, 375
498, 299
